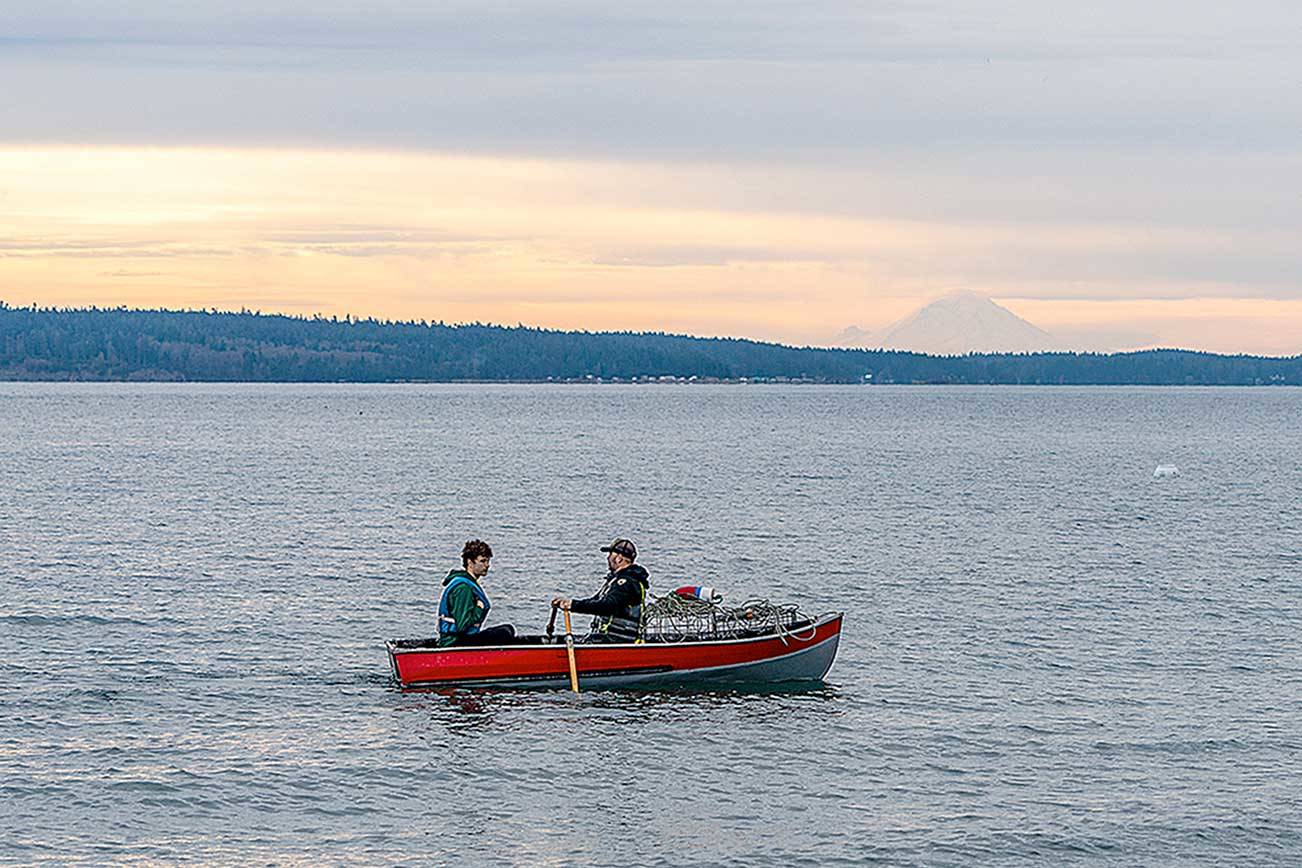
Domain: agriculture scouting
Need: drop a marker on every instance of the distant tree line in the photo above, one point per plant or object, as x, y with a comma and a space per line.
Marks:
122, 344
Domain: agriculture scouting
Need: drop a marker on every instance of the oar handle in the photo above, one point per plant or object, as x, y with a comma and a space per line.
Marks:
551, 624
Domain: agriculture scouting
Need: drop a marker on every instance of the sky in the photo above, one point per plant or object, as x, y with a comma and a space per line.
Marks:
1123, 175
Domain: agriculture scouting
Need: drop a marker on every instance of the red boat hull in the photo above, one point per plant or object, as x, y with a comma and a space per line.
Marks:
803, 655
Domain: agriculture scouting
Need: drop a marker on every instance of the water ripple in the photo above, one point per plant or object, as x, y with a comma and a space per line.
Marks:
1050, 656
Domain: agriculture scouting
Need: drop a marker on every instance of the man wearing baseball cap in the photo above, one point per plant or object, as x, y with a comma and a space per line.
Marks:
617, 607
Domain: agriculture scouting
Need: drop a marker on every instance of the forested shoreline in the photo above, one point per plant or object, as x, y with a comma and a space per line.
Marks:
120, 344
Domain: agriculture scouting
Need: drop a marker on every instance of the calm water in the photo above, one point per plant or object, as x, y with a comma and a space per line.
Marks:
1050, 656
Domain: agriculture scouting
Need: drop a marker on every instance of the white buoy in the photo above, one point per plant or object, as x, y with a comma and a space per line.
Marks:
1166, 470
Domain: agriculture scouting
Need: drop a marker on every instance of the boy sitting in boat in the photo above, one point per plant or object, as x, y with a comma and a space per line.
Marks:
464, 606
618, 605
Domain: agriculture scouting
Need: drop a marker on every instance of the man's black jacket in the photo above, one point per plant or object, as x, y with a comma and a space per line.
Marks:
618, 596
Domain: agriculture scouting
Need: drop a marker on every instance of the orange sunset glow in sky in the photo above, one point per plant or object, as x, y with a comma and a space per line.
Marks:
684, 170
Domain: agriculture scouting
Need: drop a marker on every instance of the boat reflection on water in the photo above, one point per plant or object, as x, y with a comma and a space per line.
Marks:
475, 709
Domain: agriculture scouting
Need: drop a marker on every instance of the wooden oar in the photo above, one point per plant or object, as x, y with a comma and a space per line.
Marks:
569, 649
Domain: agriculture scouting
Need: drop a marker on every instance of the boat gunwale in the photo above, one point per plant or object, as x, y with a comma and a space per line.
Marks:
815, 624
686, 676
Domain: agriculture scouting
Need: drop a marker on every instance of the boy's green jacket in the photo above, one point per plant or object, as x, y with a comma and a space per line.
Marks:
463, 606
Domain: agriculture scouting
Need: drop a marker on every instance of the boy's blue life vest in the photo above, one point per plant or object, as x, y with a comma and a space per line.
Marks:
448, 624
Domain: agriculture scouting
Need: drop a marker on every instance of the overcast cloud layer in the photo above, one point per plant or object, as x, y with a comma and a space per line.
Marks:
669, 79
1175, 125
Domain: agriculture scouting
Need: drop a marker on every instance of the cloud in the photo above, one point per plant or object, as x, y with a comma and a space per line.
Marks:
826, 30
313, 241
705, 255
377, 241
47, 248
374, 234
670, 80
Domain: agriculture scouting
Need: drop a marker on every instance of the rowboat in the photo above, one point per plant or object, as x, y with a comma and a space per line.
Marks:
776, 654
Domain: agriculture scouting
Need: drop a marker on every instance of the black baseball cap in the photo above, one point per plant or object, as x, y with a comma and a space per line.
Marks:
621, 546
